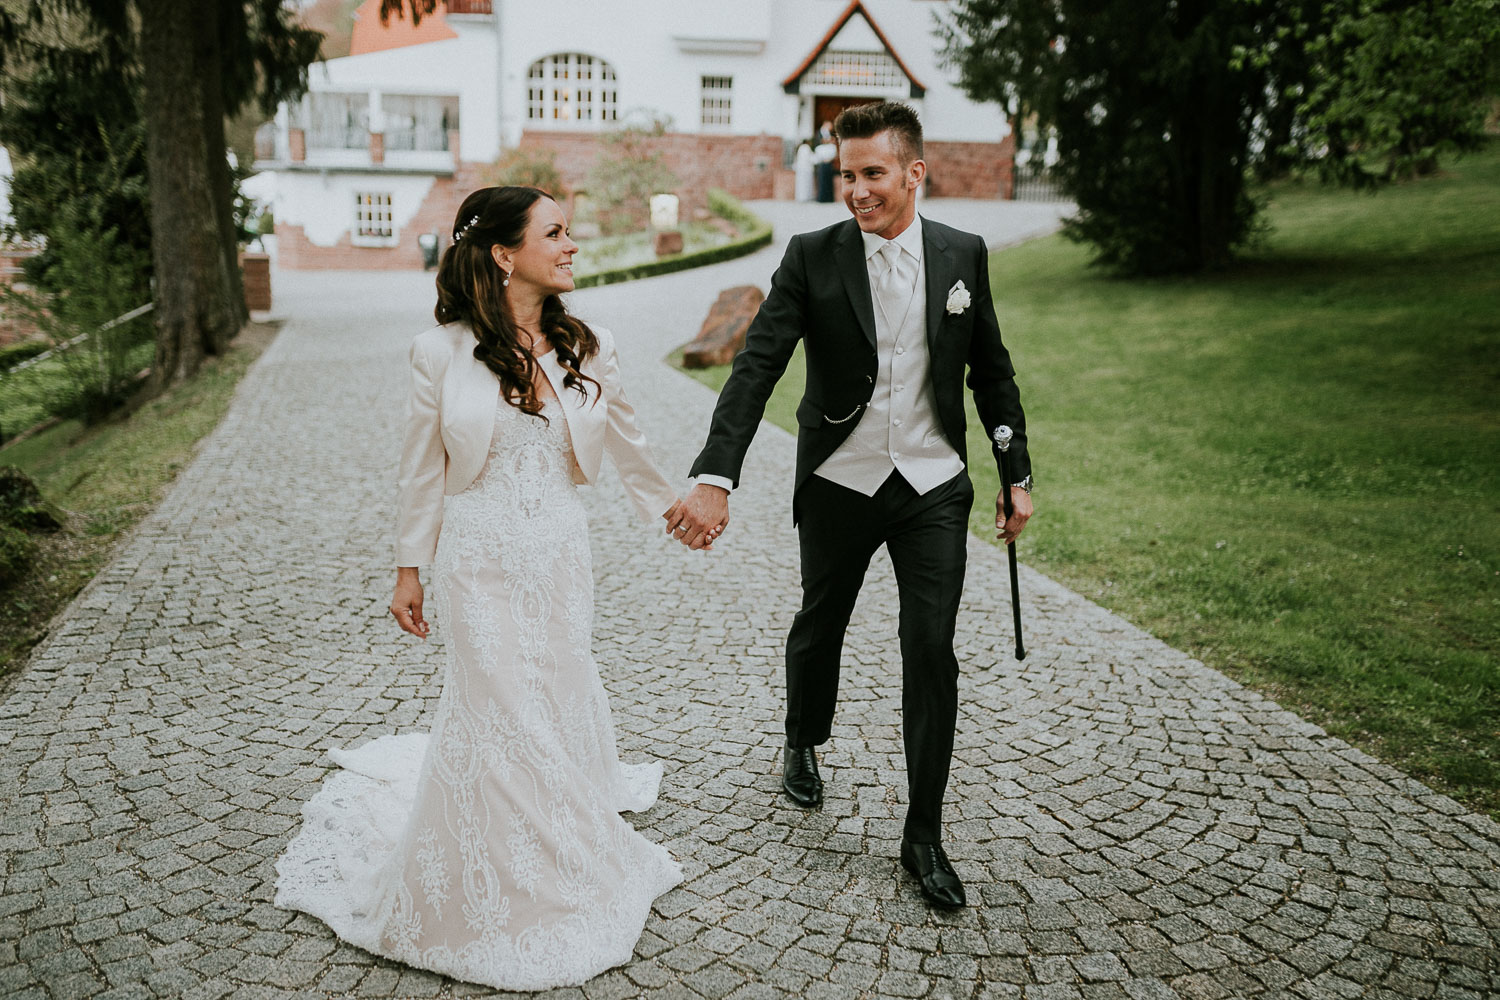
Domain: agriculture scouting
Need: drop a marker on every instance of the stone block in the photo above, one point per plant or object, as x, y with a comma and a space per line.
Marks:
667, 242
723, 333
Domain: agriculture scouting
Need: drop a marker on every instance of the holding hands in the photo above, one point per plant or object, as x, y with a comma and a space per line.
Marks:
700, 517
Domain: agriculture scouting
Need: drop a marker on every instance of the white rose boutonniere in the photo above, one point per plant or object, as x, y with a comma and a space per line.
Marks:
958, 298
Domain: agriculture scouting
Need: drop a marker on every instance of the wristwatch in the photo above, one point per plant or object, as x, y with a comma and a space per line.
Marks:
1025, 484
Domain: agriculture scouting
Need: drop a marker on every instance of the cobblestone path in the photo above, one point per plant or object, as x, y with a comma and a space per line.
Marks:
1129, 822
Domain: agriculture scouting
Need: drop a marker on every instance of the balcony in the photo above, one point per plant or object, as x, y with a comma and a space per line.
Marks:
330, 136
415, 139
468, 6
363, 131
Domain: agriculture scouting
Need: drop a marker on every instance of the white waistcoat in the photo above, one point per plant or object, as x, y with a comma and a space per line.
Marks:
899, 429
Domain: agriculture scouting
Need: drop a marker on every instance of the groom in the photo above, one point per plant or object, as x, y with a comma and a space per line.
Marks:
892, 308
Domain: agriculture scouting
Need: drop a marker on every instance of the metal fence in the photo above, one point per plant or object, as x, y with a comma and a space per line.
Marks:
51, 383
338, 137
1036, 185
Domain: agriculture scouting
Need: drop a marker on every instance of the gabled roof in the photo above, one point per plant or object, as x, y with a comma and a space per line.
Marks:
855, 7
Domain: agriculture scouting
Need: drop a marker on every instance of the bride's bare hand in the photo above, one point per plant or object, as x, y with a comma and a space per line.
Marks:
699, 518
406, 605
673, 517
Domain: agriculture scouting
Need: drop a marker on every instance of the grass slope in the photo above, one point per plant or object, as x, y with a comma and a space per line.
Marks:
1292, 468
107, 478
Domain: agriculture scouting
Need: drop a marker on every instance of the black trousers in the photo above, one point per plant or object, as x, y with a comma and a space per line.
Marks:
927, 537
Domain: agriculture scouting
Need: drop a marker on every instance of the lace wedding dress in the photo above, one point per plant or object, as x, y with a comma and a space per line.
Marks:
492, 849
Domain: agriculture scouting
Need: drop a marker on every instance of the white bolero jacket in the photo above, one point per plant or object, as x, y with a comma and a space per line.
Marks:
450, 418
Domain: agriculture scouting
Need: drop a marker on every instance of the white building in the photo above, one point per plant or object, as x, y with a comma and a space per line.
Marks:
390, 139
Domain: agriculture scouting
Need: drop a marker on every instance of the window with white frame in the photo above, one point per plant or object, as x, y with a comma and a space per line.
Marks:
717, 101
337, 120
866, 70
572, 88
374, 221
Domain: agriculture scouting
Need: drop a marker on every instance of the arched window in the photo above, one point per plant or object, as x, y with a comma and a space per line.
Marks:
570, 87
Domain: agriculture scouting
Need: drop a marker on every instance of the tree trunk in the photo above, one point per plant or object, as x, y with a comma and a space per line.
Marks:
195, 312
211, 81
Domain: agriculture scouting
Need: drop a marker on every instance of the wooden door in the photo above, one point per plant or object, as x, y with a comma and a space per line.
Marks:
826, 109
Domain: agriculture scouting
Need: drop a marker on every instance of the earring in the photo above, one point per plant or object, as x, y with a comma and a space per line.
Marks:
506, 283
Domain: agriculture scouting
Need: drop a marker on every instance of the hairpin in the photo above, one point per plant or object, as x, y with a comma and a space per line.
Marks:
467, 226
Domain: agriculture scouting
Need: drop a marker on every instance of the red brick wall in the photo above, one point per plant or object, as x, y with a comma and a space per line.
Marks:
734, 163
744, 165
10, 262
296, 252
970, 169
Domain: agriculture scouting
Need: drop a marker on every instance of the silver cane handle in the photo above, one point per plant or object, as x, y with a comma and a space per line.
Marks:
1002, 437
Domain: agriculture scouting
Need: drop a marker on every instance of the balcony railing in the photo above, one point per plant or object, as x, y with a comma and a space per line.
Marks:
417, 138
265, 141
338, 137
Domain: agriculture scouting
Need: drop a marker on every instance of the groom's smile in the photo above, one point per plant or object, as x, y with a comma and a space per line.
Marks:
878, 187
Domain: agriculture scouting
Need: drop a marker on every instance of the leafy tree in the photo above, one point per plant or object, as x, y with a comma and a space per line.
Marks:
96, 356
399, 8
530, 168
1386, 86
1153, 121
202, 63
81, 184
80, 154
197, 63
1163, 108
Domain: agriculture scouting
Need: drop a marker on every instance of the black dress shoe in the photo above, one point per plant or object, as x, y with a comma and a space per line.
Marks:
939, 882
799, 777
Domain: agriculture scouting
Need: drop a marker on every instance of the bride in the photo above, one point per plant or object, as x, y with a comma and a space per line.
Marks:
492, 849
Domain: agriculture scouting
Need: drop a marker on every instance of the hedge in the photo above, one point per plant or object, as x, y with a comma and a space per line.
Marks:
756, 233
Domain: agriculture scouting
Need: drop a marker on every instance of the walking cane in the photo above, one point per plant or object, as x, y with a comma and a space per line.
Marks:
1003, 434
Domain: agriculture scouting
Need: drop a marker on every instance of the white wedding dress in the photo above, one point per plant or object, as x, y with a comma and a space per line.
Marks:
492, 850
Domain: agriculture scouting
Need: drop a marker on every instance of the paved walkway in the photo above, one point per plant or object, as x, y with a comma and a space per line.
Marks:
1130, 823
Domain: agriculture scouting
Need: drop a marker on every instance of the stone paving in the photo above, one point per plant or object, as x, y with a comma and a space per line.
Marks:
1130, 823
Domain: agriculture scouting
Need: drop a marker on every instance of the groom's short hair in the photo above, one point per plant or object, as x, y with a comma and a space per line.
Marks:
865, 121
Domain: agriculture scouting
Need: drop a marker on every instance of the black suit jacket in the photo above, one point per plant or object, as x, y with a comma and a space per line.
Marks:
821, 295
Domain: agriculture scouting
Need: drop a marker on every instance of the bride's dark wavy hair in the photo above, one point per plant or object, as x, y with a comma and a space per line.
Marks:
470, 291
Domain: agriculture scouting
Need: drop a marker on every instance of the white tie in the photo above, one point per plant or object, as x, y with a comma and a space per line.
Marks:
892, 289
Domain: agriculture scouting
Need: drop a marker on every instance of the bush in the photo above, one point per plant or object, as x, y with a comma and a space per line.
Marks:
729, 208
97, 357
530, 168
22, 510
622, 181
17, 549
755, 233
21, 503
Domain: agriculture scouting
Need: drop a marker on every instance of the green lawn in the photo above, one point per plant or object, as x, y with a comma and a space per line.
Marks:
605, 253
106, 478
1291, 469
29, 396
